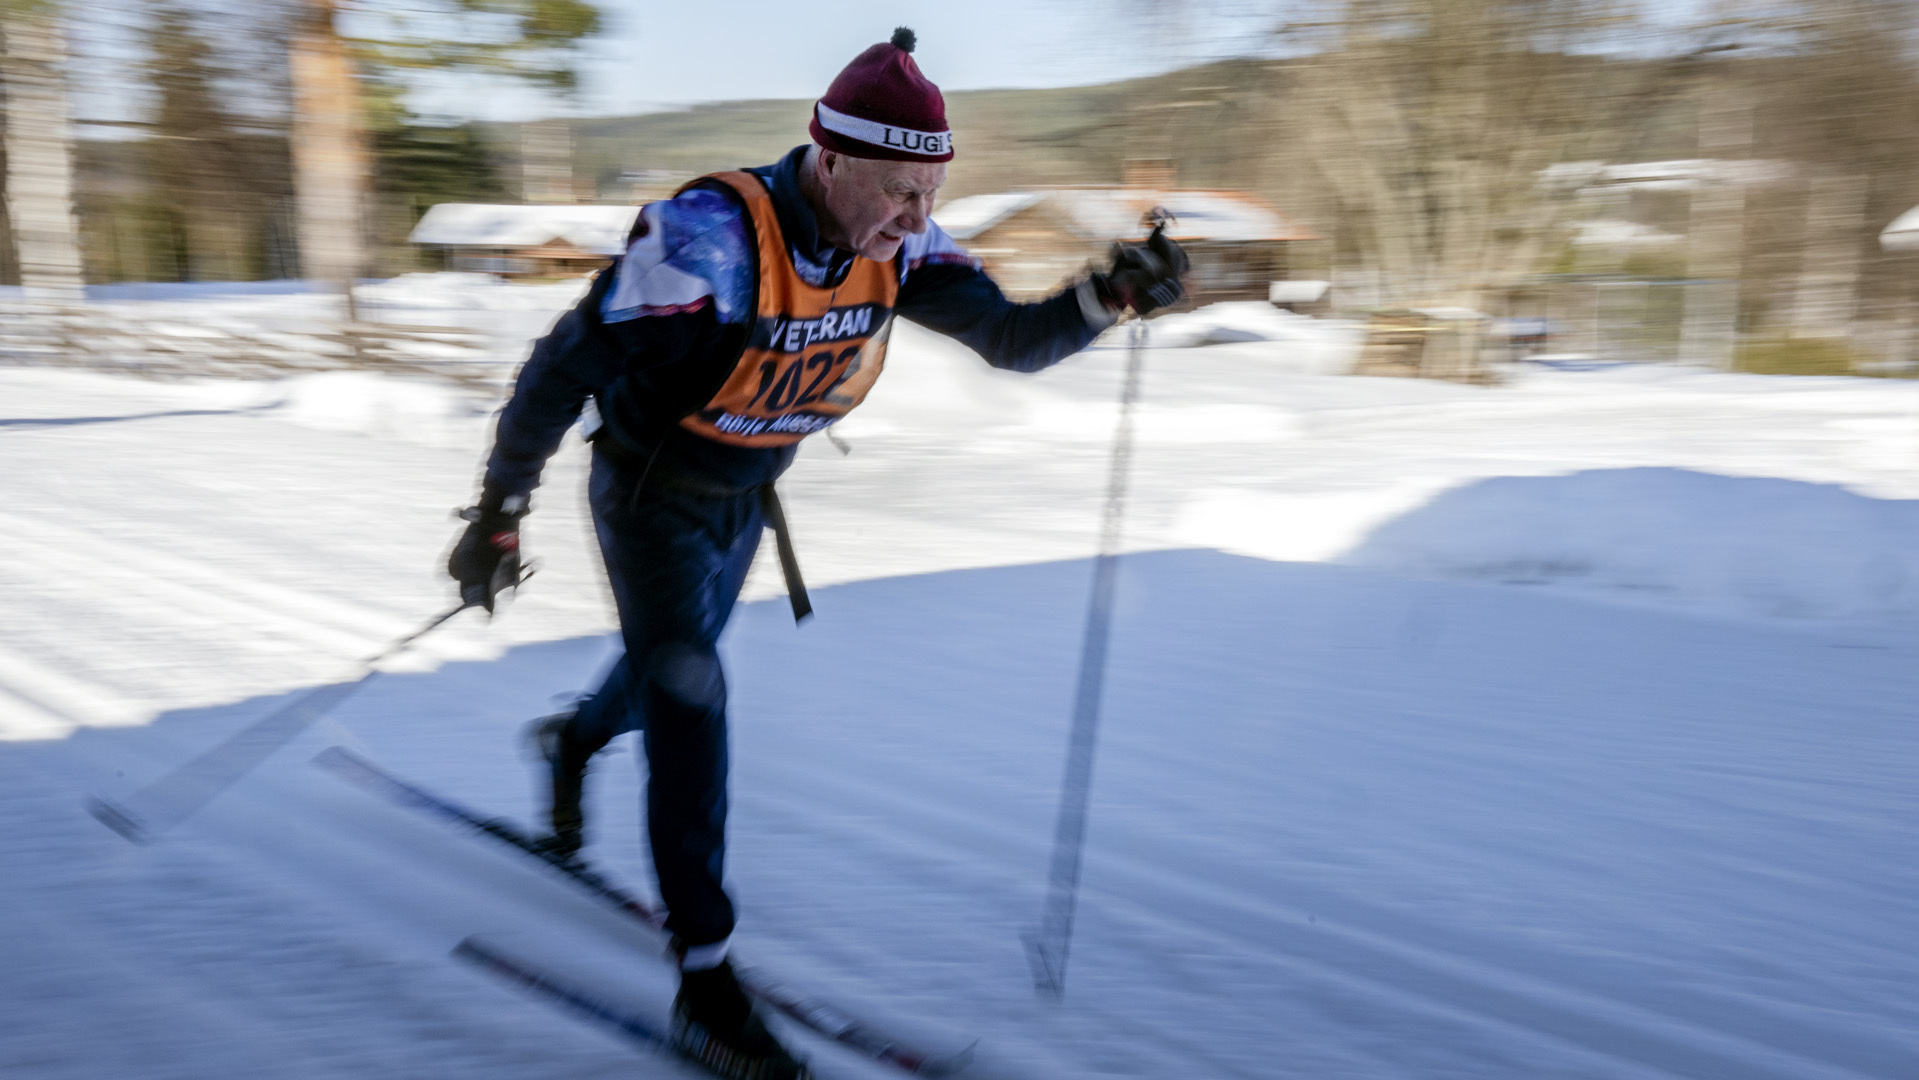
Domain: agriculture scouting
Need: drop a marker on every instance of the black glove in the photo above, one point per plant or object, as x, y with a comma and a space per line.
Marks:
1144, 275
486, 560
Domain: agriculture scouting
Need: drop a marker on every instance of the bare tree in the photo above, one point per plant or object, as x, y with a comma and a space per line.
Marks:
1845, 110
39, 144
329, 150
1716, 233
1430, 123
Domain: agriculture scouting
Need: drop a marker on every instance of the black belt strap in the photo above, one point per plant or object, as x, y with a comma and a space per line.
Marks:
770, 509
789, 563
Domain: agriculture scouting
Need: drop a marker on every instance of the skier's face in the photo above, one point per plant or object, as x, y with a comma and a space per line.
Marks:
872, 206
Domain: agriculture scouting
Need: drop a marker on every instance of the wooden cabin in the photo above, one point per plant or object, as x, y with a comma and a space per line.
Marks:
1033, 239
525, 242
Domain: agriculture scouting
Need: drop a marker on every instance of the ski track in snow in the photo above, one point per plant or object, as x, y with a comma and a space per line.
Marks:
1407, 957
1346, 823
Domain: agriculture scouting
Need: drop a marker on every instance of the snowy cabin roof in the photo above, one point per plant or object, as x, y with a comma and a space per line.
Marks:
1903, 233
966, 218
598, 229
1110, 213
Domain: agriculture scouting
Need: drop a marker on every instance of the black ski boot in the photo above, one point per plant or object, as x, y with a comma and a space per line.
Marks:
567, 784
715, 1026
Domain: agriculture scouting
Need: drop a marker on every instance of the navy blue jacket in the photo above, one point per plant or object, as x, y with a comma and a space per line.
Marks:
661, 330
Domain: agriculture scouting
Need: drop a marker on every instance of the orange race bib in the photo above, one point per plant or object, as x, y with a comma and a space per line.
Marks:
811, 353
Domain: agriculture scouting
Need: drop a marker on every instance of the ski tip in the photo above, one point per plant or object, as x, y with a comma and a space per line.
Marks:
951, 1064
333, 757
1048, 978
120, 820
475, 949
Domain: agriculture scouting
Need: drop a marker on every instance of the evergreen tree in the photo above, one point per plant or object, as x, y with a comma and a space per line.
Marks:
206, 198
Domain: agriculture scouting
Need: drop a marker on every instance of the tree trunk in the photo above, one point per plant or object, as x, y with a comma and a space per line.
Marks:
1716, 234
39, 139
329, 153
546, 162
1825, 299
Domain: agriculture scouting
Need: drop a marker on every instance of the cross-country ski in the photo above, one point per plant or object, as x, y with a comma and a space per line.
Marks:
819, 1016
616, 1012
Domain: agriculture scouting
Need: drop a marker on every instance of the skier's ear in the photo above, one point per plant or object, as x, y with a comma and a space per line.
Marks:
833, 165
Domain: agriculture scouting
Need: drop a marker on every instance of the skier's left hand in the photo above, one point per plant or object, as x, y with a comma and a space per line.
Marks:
486, 559
1145, 275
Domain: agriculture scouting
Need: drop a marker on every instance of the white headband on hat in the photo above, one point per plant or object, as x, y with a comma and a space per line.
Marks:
930, 143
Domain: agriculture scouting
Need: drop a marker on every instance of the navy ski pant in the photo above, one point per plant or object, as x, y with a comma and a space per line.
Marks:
676, 561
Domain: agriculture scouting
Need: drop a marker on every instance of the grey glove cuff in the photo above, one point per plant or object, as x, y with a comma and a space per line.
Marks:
1098, 316
495, 511
495, 502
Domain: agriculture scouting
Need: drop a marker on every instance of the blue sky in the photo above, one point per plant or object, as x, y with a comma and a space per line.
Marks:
654, 55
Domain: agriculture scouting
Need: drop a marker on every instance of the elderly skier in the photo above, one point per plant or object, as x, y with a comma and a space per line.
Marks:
749, 311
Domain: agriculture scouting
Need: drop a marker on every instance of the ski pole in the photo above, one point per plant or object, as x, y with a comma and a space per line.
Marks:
176, 796
1048, 945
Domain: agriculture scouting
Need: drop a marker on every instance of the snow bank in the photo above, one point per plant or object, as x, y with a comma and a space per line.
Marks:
1742, 544
471, 292
1317, 346
1298, 527
424, 411
932, 382
35, 395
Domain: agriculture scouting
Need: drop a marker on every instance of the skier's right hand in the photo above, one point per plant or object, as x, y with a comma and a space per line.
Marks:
486, 559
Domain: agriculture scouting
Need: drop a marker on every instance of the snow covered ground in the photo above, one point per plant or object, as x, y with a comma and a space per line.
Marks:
1558, 729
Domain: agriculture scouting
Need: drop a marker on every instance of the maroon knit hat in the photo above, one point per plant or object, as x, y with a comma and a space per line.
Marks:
881, 107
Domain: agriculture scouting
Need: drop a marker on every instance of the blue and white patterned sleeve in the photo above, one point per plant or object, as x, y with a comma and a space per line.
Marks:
933, 248
691, 251
688, 272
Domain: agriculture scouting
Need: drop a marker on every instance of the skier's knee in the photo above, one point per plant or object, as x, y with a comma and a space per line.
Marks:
689, 674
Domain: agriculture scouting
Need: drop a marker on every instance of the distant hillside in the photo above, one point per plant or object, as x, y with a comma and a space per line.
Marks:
1006, 138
